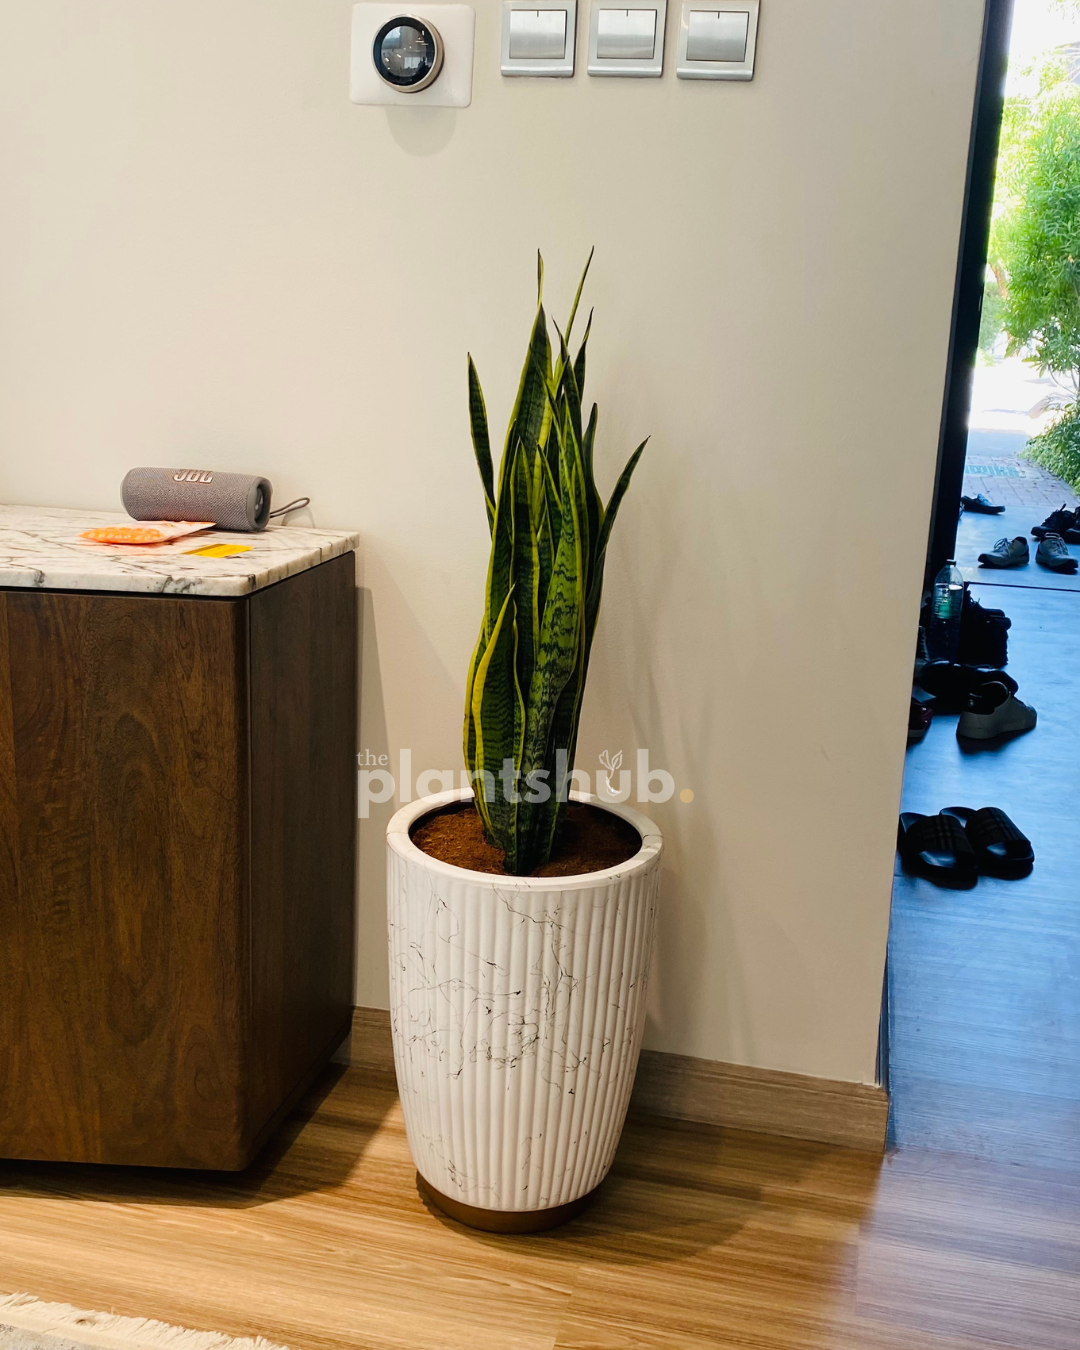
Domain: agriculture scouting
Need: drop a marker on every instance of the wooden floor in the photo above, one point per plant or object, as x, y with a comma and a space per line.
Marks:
701, 1238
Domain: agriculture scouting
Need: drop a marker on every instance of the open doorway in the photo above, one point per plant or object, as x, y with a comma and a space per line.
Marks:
983, 1009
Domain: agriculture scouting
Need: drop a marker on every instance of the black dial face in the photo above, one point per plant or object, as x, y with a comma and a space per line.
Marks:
404, 52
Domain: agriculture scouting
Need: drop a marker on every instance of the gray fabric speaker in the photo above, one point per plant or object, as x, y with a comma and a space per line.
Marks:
233, 501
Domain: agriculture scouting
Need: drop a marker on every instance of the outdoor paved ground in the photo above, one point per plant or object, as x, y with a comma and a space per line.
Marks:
1006, 410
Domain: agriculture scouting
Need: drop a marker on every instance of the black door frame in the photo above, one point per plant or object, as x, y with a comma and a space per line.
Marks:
968, 290
964, 334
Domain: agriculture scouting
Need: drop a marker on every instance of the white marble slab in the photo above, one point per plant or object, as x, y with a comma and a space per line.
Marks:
40, 549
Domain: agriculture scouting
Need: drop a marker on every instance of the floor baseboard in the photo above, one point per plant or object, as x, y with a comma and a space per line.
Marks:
767, 1101
680, 1087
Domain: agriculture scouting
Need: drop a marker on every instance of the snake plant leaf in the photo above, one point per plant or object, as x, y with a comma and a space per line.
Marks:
469, 732
579, 363
560, 629
546, 533
615, 501
562, 736
499, 720
530, 413
577, 294
593, 505
500, 563
526, 565
549, 536
571, 396
592, 599
478, 424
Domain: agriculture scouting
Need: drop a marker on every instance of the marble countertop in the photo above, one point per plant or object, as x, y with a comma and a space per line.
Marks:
40, 549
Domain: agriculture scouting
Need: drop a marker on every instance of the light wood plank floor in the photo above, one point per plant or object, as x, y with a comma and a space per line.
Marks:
985, 984
701, 1238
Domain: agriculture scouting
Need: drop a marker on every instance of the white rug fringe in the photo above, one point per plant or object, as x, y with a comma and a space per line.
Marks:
107, 1332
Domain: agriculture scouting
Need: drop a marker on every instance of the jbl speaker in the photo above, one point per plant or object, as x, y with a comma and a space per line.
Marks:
234, 501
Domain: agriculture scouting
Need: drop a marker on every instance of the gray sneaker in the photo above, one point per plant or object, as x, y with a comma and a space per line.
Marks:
1053, 553
1007, 553
992, 710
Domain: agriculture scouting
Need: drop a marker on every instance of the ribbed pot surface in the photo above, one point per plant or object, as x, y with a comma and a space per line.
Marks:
517, 1006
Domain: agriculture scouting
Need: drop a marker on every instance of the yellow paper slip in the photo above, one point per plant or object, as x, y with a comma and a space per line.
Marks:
219, 550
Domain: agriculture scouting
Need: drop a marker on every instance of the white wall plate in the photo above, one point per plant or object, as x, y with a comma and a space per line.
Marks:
452, 88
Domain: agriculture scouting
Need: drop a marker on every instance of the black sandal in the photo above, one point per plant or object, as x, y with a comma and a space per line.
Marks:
1001, 849
936, 847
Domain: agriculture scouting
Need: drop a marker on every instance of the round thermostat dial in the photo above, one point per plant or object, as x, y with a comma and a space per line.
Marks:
408, 53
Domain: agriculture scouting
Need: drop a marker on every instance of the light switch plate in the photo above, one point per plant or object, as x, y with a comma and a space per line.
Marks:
614, 24
716, 34
518, 35
452, 88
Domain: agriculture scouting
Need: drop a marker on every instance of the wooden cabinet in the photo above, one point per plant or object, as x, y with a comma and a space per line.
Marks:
177, 839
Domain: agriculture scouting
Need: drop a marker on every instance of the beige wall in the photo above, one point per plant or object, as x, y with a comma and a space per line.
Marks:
207, 254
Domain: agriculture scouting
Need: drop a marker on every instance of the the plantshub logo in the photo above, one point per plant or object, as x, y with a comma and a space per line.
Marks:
377, 784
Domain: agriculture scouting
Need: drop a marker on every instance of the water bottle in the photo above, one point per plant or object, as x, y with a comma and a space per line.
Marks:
946, 607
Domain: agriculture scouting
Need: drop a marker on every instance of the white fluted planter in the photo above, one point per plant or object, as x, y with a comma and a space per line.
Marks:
517, 1006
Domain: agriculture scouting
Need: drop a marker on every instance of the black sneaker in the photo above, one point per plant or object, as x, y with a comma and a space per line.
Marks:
952, 685
984, 635
1053, 554
980, 506
1057, 522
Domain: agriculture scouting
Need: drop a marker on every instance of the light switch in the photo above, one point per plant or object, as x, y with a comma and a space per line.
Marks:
626, 34
717, 35
539, 34
627, 38
717, 39
538, 37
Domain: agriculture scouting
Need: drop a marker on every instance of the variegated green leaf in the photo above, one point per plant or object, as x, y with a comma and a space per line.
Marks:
501, 561
469, 734
561, 630
549, 536
579, 363
498, 718
526, 573
618, 493
577, 294
478, 424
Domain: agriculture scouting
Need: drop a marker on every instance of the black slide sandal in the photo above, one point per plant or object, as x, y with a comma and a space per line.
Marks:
937, 847
1001, 849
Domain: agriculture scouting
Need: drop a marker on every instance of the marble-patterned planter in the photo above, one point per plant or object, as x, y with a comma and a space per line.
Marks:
517, 1006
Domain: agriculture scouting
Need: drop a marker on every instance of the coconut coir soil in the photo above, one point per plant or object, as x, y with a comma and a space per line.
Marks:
591, 839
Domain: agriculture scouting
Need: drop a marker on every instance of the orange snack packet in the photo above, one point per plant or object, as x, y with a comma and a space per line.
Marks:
150, 532
123, 534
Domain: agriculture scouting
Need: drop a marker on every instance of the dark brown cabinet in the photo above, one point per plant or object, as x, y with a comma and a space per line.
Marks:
177, 839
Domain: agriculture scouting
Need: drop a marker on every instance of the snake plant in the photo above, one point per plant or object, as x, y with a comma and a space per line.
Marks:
549, 534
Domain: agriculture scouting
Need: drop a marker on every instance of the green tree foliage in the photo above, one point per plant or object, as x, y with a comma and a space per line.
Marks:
990, 322
1057, 448
1035, 245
